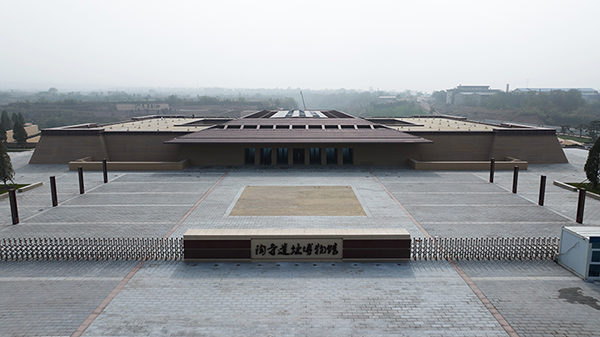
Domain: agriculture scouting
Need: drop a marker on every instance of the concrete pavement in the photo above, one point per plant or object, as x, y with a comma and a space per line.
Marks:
425, 298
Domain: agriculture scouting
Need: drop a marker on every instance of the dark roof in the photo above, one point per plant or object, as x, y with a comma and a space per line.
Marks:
346, 129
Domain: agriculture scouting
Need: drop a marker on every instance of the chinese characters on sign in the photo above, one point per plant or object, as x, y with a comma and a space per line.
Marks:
301, 248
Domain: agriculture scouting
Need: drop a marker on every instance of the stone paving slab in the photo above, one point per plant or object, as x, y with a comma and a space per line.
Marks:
291, 299
417, 298
539, 298
52, 298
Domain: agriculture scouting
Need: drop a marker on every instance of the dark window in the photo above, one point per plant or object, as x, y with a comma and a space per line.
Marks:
331, 154
282, 156
265, 156
315, 156
249, 156
348, 156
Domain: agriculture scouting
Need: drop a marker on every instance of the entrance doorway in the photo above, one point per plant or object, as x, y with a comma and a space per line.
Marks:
298, 156
249, 156
265, 156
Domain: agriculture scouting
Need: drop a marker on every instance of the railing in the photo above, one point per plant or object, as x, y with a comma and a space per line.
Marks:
503, 248
13, 249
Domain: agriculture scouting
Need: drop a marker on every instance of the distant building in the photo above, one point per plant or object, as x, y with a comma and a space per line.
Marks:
143, 107
588, 94
474, 95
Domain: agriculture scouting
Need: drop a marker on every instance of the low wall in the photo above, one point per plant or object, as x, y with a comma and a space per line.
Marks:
466, 165
270, 245
89, 165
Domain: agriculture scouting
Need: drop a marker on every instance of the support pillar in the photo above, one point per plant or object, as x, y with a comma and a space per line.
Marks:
306, 156
542, 191
105, 170
80, 172
53, 191
580, 205
14, 211
515, 179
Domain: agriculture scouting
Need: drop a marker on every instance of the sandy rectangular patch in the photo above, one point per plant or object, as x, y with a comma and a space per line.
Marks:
298, 201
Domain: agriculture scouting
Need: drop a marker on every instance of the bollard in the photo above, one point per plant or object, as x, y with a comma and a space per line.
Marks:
12, 196
542, 191
53, 191
515, 179
104, 170
80, 171
580, 205
492, 168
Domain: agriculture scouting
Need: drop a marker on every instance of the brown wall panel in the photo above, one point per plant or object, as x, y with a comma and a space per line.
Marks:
61, 149
129, 146
219, 244
455, 146
211, 254
376, 244
536, 149
377, 253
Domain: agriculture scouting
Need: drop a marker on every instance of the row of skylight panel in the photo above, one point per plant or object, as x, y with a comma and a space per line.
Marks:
299, 127
299, 114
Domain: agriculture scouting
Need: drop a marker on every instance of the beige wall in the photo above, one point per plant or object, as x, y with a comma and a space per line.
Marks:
213, 154
536, 149
61, 149
127, 146
455, 146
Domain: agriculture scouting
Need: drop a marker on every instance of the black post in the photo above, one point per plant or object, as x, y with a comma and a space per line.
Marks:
492, 168
13, 206
542, 191
580, 205
105, 170
80, 171
515, 179
53, 191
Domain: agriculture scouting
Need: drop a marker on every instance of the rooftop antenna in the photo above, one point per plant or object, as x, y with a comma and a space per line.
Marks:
303, 100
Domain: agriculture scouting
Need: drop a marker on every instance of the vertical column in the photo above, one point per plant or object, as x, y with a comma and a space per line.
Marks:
306, 156
257, 156
515, 179
580, 205
542, 191
105, 170
492, 168
323, 156
290, 156
14, 211
53, 191
340, 156
274, 154
80, 172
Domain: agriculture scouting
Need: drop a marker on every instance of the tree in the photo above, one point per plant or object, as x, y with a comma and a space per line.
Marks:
592, 165
6, 170
21, 118
5, 120
19, 134
14, 118
2, 135
594, 129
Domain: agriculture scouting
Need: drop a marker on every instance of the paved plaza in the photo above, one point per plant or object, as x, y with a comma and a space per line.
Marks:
416, 298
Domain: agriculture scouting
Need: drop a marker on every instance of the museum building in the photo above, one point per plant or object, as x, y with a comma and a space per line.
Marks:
296, 137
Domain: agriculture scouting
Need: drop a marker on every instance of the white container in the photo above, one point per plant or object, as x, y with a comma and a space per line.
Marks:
580, 251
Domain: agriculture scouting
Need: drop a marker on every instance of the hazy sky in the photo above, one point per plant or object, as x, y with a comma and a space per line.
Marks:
390, 45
